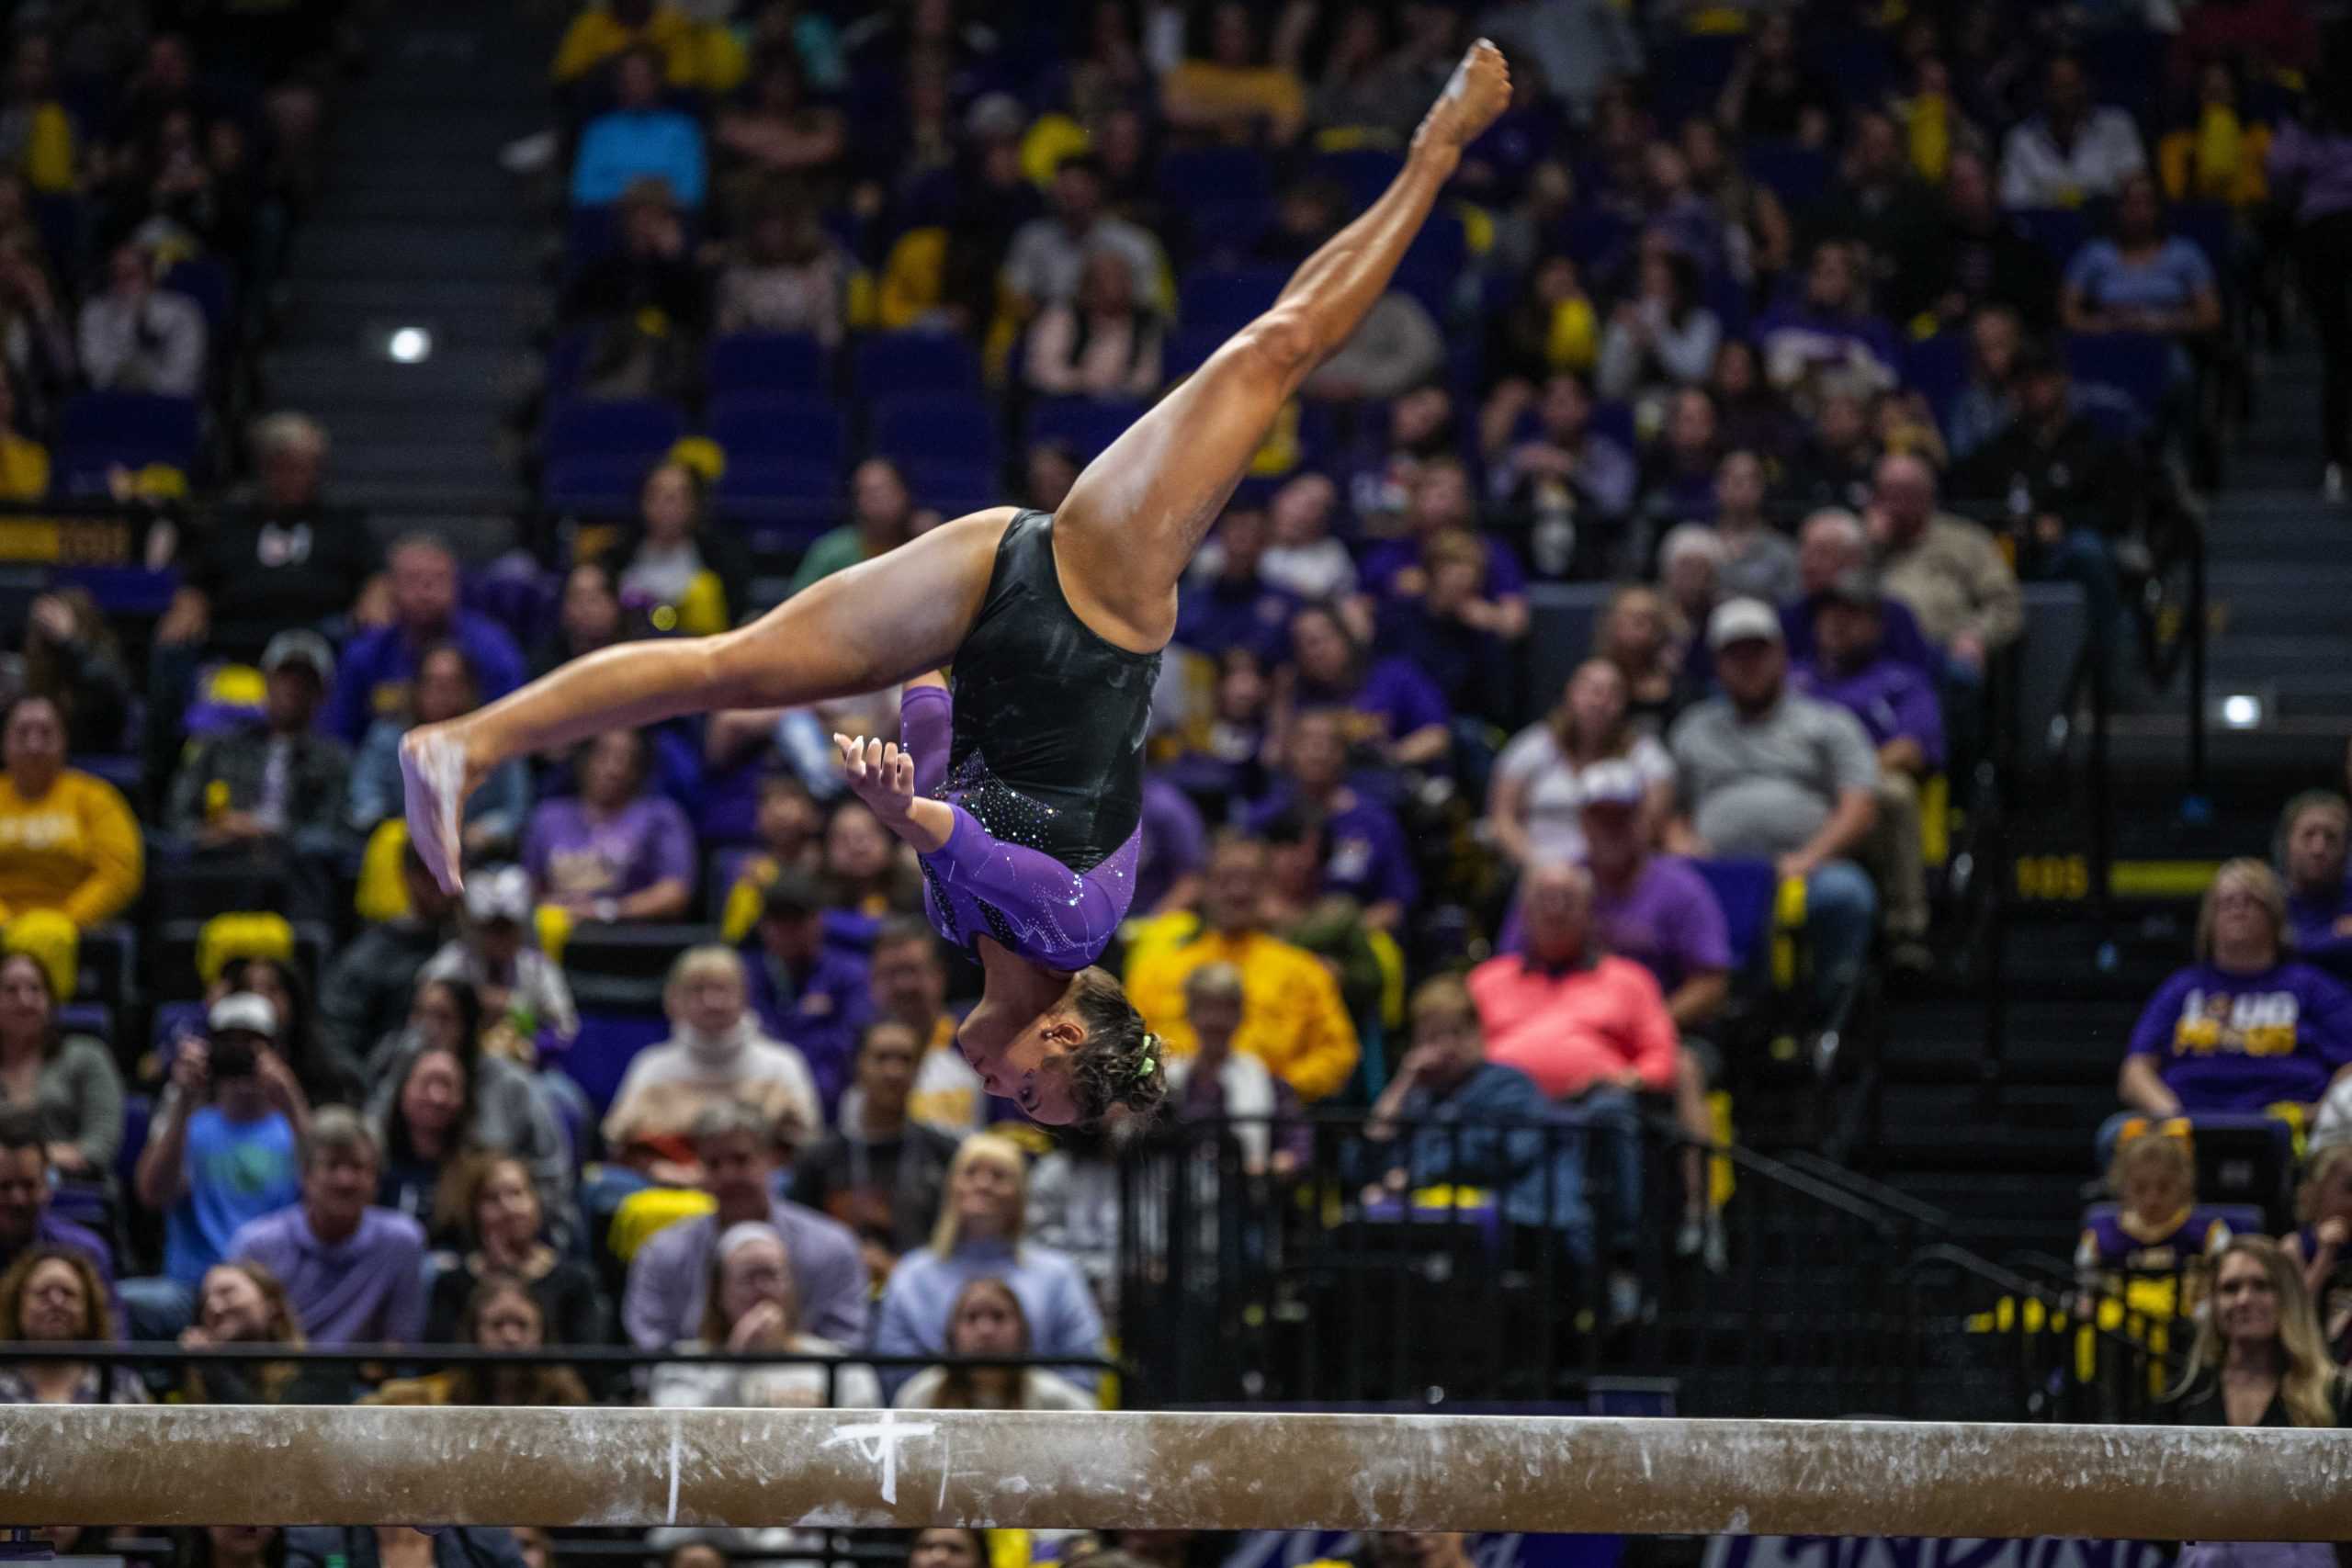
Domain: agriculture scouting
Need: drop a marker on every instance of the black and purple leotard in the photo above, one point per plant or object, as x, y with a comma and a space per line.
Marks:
1040, 753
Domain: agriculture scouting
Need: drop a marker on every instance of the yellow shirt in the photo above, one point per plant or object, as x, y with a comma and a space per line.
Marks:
1291, 1018
595, 37
24, 468
76, 849
1271, 91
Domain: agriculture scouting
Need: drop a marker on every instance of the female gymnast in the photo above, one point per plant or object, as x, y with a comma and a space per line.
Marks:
1053, 628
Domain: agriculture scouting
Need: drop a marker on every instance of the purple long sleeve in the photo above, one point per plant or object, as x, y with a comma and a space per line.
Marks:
977, 882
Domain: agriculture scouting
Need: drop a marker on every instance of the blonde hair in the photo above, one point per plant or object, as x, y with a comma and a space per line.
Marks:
2317, 1174
2311, 1381
2154, 1148
2260, 881
711, 958
1213, 983
949, 1234
1442, 992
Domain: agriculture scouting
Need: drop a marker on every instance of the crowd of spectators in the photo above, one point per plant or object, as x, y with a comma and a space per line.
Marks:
1791, 347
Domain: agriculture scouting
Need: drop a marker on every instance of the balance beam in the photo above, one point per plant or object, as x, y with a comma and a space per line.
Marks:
854, 1469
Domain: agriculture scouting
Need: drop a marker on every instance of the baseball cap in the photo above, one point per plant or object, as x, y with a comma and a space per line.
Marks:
792, 894
1856, 587
1740, 620
300, 648
1610, 784
501, 893
244, 1010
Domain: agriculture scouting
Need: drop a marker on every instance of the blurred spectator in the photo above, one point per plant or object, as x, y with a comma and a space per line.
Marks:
2215, 151
1577, 45
1987, 400
355, 1272
380, 666
1897, 709
987, 1319
504, 1314
1636, 637
881, 511
879, 1172
272, 795
1367, 855
1393, 709
496, 952
1241, 89
715, 1053
1395, 348
1257, 1109
285, 559
751, 1306
26, 1189
503, 1228
981, 1234
1454, 1115
24, 461
2156, 1226
323, 1074
1759, 236
1661, 337
1689, 567
1771, 95
667, 1278
637, 138
687, 573
366, 993
790, 825
1440, 501
805, 991
1678, 470
2072, 151
1551, 326
1330, 925
1832, 544
1307, 212
1535, 808
1758, 561
1834, 467
2323, 1205
1295, 1021
2260, 1358
1049, 254
1420, 429
2312, 851
38, 134
1101, 343
449, 1546
1658, 911
223, 1150
447, 684
1569, 485
1591, 1030
438, 1096
910, 986
67, 840
242, 1303
1768, 773
2245, 1027
2142, 280
2309, 165
780, 132
1303, 559
137, 336
68, 1080
614, 851
1829, 333
54, 1293
589, 618
788, 278
1749, 413
1946, 569
1970, 254
865, 877
1225, 602
1452, 630
645, 300
72, 658
1877, 203
1049, 471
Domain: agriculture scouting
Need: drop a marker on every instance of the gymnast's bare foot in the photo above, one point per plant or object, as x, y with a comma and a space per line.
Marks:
438, 775
1474, 98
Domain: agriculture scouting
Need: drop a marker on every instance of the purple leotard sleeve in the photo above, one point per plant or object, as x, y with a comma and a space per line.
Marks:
977, 882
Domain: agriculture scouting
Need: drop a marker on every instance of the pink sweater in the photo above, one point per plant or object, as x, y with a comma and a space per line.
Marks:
1569, 1030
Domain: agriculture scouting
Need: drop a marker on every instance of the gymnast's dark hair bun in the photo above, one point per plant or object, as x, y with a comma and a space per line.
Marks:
1121, 1062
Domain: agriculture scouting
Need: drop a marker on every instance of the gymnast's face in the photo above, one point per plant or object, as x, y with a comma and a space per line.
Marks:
1032, 1069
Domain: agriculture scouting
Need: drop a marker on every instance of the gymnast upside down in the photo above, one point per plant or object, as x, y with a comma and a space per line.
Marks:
1023, 794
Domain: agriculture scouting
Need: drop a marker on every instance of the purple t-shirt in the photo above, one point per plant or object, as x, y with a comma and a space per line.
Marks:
1385, 563
1365, 856
1894, 701
2247, 1042
646, 841
2313, 919
1668, 921
1174, 840
1395, 696
366, 1288
377, 668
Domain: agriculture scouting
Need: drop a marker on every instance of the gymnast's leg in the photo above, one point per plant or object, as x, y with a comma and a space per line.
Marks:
858, 630
1138, 512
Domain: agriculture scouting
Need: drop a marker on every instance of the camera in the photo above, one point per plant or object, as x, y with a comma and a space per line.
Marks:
231, 1057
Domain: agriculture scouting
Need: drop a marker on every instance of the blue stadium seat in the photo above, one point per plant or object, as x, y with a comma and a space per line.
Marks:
1188, 348
897, 364
2059, 230
1191, 176
949, 486
640, 428
1688, 75
1085, 424
949, 428
208, 283
1222, 233
804, 428
138, 1115
791, 500
1744, 888
567, 362
595, 487
767, 362
1362, 172
1937, 368
1797, 175
1225, 301
601, 1051
525, 602
2135, 364
133, 429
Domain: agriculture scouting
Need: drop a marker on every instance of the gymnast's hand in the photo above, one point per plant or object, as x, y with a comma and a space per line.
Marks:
882, 774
